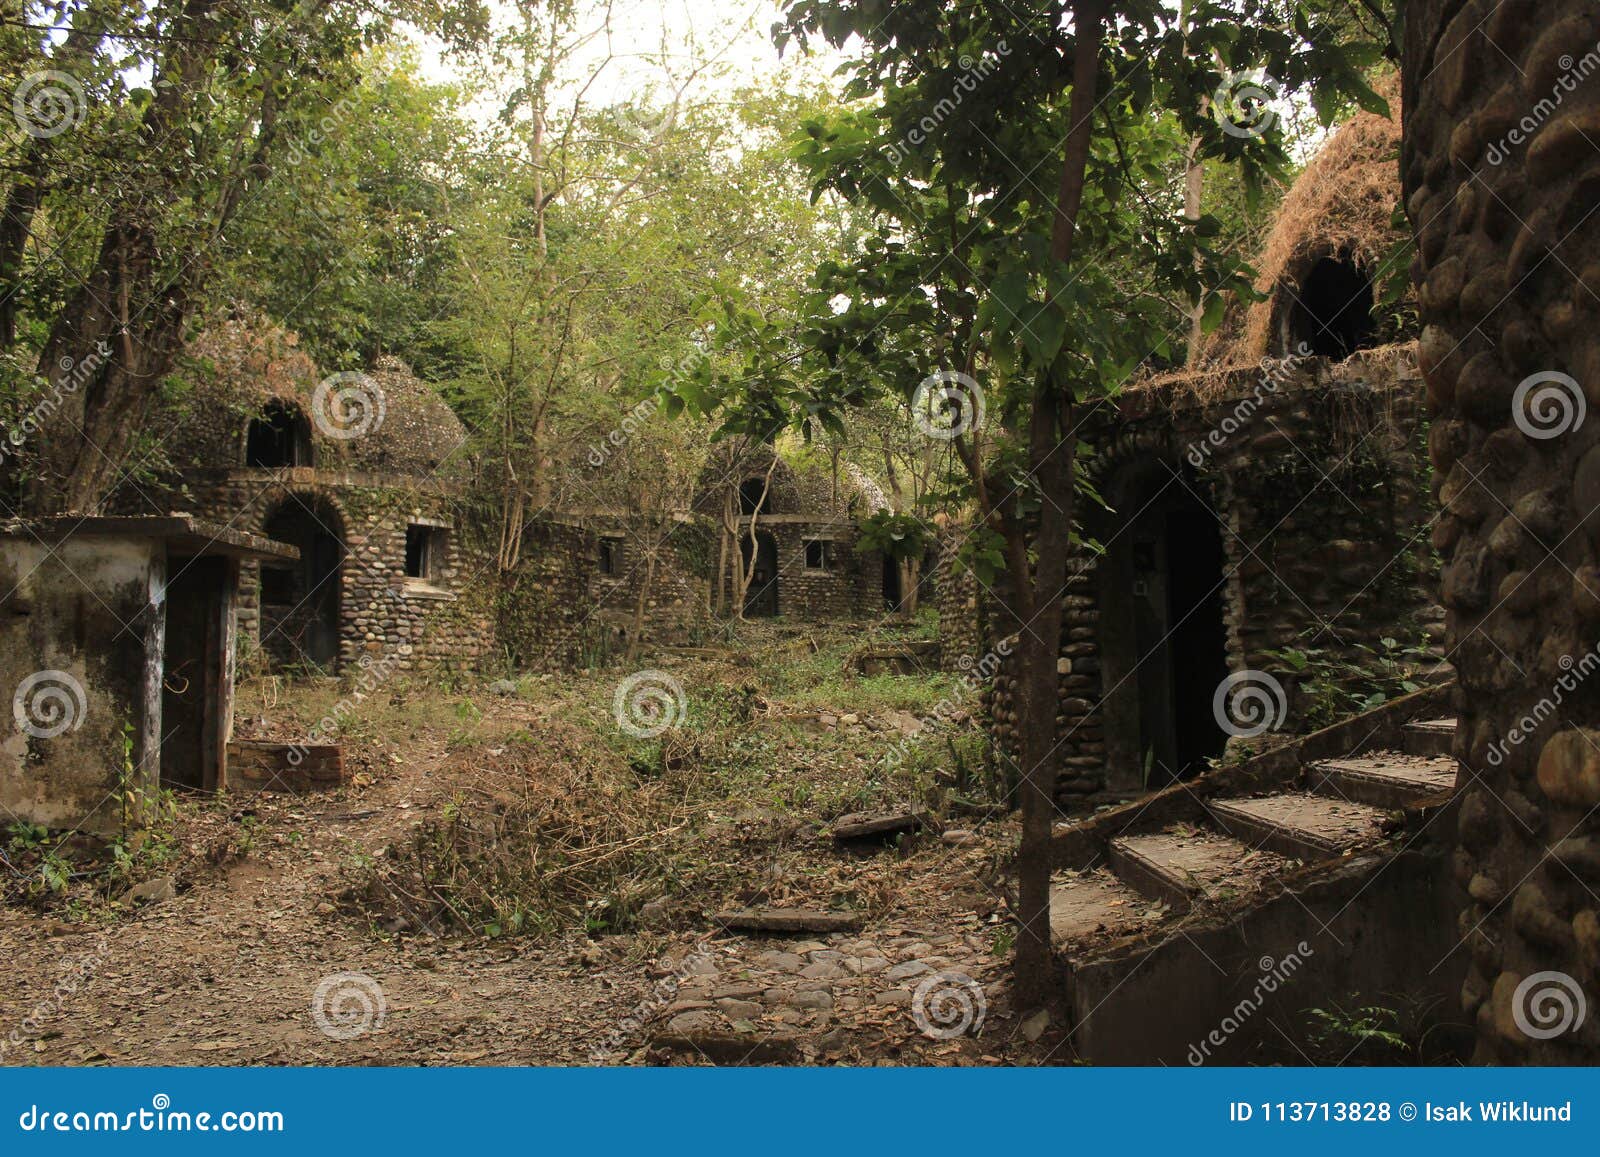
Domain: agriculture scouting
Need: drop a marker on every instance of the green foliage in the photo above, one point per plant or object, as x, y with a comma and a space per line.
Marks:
896, 536
1331, 685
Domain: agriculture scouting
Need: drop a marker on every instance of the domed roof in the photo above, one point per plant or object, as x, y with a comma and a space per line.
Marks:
1341, 209
385, 420
418, 432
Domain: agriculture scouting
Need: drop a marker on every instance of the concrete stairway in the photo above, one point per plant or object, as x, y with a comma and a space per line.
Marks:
1169, 911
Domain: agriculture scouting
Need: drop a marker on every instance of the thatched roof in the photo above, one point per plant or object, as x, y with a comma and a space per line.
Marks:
1342, 206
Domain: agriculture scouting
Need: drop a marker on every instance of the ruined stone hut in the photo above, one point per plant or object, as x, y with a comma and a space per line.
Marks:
1272, 501
362, 473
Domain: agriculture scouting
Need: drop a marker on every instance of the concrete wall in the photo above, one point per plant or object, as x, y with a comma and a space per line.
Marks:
76, 625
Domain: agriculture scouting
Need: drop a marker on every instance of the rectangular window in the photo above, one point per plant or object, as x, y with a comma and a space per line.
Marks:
425, 551
610, 555
819, 554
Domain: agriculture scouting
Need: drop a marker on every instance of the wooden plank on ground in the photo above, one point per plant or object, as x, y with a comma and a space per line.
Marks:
862, 825
256, 765
788, 920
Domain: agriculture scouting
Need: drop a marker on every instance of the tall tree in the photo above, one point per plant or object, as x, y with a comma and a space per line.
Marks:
159, 176
1024, 165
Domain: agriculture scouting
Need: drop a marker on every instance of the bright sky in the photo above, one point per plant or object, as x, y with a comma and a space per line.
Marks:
656, 47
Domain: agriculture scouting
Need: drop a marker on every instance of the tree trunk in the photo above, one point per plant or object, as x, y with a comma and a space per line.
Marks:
1039, 596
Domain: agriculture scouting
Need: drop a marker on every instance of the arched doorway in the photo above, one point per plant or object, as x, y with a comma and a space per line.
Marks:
1162, 639
761, 567
300, 601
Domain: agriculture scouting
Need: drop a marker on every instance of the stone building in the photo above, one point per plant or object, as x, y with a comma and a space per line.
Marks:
1501, 166
591, 575
363, 473
1265, 514
117, 636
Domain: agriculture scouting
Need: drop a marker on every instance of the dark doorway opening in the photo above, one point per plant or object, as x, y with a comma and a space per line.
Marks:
761, 567
300, 601
194, 661
1331, 315
281, 436
892, 594
1162, 639
1199, 641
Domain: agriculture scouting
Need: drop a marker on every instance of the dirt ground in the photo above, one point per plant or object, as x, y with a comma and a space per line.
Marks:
252, 939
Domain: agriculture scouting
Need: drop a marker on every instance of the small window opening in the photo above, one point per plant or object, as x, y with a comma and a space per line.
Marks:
1331, 316
819, 554
752, 495
281, 436
424, 551
610, 555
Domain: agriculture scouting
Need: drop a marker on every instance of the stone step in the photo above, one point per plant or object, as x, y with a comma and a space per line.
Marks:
1094, 906
1182, 866
1385, 779
1300, 826
1430, 736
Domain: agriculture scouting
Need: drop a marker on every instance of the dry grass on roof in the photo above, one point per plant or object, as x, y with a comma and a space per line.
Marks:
1343, 203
